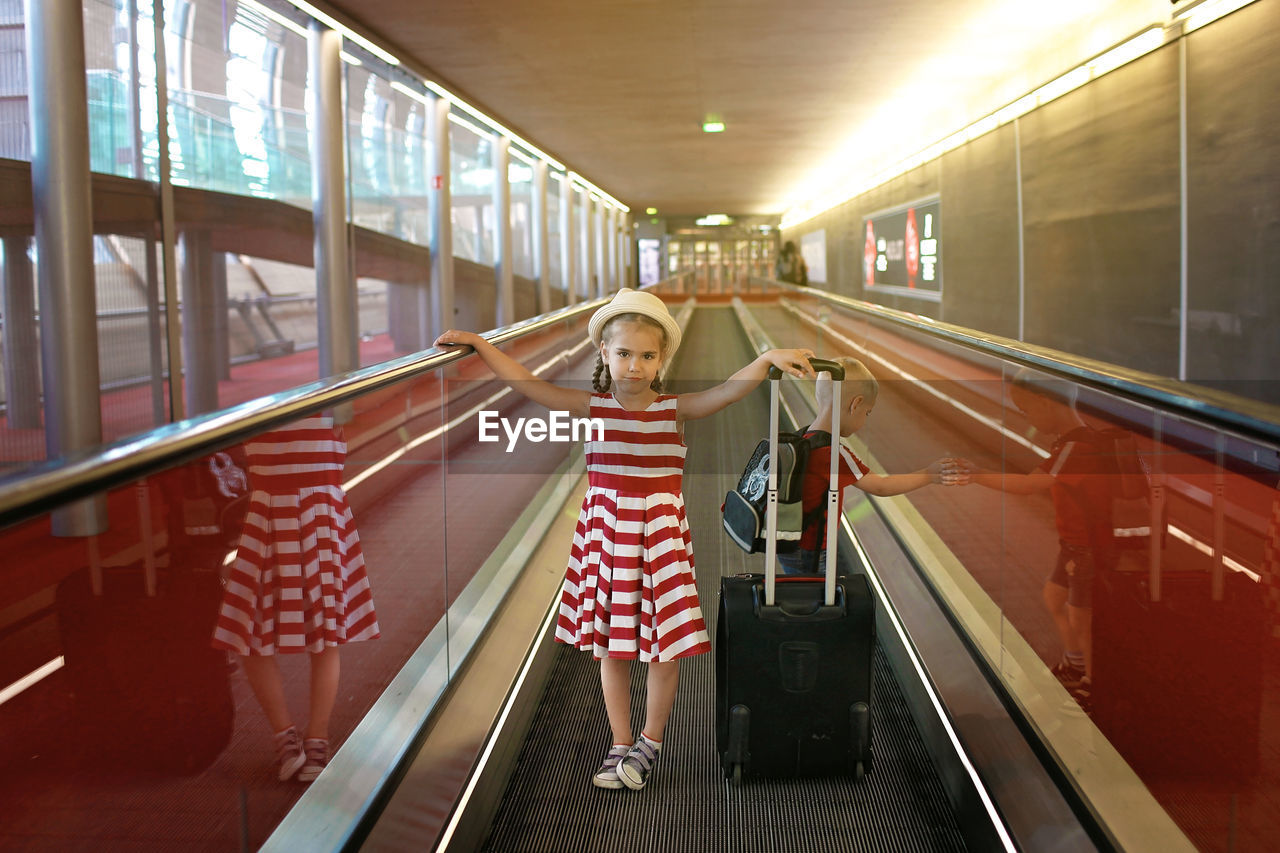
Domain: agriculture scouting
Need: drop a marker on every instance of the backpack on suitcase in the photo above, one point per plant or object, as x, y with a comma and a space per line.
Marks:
745, 506
793, 655
150, 693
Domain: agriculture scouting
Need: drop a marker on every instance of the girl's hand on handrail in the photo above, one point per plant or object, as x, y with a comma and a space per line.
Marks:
454, 338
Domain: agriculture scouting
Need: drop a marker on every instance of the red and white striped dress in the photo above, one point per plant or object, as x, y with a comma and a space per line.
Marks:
629, 591
298, 582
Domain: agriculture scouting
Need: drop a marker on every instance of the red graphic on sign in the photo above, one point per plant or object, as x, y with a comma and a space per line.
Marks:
869, 258
437, 182
912, 248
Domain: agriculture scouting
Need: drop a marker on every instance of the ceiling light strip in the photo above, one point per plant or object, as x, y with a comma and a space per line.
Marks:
334, 24
1196, 16
411, 92
497, 127
520, 155
272, 15
34, 677
471, 126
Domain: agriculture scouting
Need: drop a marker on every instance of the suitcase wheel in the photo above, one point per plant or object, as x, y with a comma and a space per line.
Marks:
736, 753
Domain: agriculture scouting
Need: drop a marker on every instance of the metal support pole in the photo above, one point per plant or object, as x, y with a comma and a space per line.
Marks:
21, 343
335, 290
218, 315
609, 248
155, 331
199, 339
441, 217
60, 190
600, 229
629, 266
505, 304
619, 248
168, 224
624, 249
135, 90
541, 255
590, 281
568, 246
155, 351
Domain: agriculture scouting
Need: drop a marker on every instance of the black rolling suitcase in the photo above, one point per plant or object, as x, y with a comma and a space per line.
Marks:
149, 691
793, 657
1178, 681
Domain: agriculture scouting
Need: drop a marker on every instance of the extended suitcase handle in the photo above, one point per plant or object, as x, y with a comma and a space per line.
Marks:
820, 365
836, 371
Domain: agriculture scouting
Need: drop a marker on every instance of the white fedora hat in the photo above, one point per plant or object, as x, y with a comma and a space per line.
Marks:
628, 301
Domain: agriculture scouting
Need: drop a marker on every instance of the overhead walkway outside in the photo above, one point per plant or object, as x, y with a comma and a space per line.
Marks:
466, 543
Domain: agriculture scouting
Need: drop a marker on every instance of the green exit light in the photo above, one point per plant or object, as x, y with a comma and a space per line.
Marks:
713, 127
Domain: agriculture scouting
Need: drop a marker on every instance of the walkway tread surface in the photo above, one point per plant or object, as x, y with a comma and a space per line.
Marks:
551, 805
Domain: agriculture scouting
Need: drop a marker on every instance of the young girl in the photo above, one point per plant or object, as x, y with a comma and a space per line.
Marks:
298, 583
629, 591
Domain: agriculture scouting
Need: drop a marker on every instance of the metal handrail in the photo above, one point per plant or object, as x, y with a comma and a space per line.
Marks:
68, 478
1248, 417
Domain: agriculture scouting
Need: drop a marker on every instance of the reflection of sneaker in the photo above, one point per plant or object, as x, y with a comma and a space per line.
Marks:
1082, 693
637, 764
607, 775
1069, 674
289, 752
317, 752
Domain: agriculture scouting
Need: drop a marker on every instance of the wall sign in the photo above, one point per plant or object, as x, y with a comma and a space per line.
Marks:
813, 248
902, 251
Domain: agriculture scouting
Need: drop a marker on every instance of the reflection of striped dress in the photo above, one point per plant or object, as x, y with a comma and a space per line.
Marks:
629, 591
298, 582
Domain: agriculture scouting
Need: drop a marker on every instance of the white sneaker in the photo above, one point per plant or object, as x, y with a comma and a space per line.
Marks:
607, 775
316, 750
637, 764
289, 752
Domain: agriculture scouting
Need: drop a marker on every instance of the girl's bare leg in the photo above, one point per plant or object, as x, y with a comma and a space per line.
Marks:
615, 681
324, 691
661, 685
264, 678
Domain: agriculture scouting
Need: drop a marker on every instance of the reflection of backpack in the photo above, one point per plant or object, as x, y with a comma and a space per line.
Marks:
1130, 501
745, 506
1125, 530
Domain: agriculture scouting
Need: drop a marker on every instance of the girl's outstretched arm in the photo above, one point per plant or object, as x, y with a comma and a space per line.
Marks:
943, 471
1004, 481
575, 401
699, 404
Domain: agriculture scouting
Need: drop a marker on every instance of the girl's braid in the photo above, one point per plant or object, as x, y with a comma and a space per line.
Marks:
602, 370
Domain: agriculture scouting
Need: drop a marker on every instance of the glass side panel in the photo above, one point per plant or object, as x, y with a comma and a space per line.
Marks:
471, 159
521, 177
154, 661
1113, 564
237, 104
554, 250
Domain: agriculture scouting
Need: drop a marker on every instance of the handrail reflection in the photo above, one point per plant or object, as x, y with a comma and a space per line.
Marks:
59, 481
1252, 418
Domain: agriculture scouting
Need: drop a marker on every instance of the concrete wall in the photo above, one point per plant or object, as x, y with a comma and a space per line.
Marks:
1101, 171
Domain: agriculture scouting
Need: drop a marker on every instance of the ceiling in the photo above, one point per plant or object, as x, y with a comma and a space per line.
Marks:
618, 89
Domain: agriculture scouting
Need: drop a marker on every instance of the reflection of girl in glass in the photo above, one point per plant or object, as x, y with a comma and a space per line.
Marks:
298, 583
